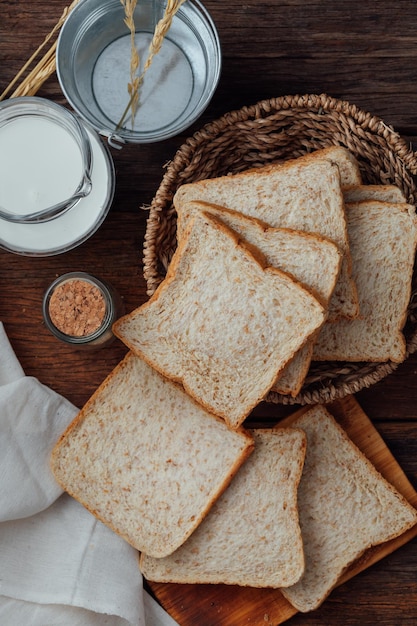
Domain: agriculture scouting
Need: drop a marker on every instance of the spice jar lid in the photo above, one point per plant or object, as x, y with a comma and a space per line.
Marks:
80, 309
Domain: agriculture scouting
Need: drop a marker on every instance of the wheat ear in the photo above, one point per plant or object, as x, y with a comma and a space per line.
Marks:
161, 30
43, 69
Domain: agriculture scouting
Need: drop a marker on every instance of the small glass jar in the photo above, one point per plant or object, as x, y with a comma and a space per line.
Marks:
80, 309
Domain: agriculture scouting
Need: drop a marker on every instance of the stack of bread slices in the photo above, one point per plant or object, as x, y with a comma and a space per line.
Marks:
274, 267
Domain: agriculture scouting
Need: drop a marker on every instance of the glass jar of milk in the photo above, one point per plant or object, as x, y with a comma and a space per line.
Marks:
56, 178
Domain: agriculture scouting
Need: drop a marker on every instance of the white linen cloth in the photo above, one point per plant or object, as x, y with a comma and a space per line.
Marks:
59, 566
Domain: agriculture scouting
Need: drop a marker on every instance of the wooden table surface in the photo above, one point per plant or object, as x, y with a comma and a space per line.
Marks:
361, 51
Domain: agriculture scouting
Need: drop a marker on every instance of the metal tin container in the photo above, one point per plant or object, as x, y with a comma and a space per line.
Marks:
79, 309
57, 178
93, 68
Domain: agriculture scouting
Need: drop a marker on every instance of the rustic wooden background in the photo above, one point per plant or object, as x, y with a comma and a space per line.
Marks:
361, 51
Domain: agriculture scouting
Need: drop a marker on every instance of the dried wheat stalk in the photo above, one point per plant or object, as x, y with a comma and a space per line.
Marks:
161, 30
133, 86
46, 66
43, 69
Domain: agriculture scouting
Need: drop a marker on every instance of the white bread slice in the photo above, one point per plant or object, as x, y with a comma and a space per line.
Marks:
383, 239
251, 536
303, 194
147, 460
345, 507
311, 259
221, 323
385, 193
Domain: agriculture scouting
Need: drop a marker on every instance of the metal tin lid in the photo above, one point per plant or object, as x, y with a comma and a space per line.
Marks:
93, 68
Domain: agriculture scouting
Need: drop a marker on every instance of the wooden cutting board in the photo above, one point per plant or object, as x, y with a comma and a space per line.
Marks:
226, 605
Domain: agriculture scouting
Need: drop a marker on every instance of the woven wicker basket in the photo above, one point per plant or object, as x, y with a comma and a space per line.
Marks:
278, 129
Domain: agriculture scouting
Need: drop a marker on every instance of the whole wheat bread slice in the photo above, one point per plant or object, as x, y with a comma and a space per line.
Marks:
311, 259
347, 163
251, 536
383, 239
146, 459
222, 323
385, 193
303, 194
345, 507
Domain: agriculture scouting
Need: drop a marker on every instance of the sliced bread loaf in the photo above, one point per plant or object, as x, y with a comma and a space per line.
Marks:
345, 507
311, 259
146, 459
251, 536
383, 239
222, 323
303, 194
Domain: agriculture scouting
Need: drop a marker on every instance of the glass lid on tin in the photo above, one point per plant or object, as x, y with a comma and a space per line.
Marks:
94, 67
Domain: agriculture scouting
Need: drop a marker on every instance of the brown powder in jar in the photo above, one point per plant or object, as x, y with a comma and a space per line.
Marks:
77, 308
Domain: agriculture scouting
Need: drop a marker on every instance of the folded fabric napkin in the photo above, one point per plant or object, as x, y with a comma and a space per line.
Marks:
58, 564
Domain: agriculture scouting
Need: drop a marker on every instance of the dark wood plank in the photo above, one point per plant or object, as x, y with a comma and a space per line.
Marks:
360, 51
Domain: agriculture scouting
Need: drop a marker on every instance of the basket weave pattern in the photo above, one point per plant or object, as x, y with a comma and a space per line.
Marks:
275, 130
